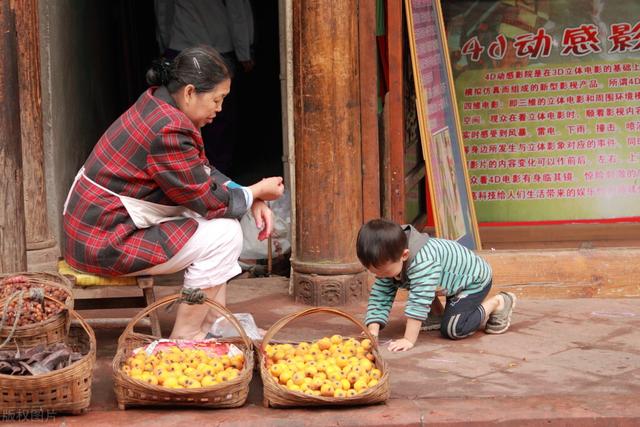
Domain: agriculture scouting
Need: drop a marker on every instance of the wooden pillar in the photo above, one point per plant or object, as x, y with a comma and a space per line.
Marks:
368, 58
13, 255
35, 200
328, 169
395, 106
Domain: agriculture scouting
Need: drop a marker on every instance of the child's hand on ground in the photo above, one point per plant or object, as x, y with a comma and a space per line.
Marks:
402, 344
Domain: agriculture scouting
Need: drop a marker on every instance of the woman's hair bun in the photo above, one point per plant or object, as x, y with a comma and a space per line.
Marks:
200, 66
160, 72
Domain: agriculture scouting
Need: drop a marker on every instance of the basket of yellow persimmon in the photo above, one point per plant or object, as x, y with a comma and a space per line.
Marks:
152, 371
330, 371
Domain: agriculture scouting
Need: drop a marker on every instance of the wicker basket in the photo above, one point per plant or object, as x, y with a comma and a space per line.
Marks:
50, 331
65, 390
132, 392
276, 396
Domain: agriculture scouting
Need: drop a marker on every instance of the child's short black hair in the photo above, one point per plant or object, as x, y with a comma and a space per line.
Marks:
380, 241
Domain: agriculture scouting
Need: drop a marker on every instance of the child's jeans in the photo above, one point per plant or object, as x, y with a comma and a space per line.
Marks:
463, 315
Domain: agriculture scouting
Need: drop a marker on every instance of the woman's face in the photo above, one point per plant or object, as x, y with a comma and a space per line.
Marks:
202, 107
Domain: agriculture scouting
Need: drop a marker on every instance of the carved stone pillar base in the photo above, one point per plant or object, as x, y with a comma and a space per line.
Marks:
312, 289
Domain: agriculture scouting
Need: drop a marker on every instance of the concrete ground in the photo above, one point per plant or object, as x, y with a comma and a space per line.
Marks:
562, 363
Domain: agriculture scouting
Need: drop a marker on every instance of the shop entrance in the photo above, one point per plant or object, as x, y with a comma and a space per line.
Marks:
94, 57
257, 146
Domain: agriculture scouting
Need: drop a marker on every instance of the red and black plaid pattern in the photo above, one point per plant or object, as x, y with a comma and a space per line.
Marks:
153, 152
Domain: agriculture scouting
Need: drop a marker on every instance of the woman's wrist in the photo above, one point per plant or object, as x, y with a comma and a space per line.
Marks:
255, 191
258, 201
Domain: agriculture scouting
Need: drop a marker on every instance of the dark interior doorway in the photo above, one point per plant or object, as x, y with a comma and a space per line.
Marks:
258, 150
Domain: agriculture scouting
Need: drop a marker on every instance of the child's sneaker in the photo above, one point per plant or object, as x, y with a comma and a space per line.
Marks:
432, 323
499, 321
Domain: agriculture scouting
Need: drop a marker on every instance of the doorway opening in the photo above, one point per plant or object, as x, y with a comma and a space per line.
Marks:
257, 148
95, 56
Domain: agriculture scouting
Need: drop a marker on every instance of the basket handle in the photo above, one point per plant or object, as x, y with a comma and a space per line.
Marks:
171, 298
80, 319
289, 318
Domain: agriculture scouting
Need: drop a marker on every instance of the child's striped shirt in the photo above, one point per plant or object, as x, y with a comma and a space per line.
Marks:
440, 265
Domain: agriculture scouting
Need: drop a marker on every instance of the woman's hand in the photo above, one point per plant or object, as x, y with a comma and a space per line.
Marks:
263, 217
402, 344
268, 189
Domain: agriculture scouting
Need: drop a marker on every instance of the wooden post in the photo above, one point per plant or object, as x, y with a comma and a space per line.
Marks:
395, 105
327, 129
13, 255
35, 200
368, 110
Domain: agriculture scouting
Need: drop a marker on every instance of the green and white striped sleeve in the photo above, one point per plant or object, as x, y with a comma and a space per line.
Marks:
383, 292
424, 276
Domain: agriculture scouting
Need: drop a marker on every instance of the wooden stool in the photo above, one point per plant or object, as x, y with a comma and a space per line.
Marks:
83, 280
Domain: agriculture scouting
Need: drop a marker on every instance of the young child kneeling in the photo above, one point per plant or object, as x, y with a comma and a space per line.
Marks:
402, 257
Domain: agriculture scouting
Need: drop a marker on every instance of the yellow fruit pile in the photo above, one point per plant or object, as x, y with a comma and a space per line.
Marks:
183, 368
331, 366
